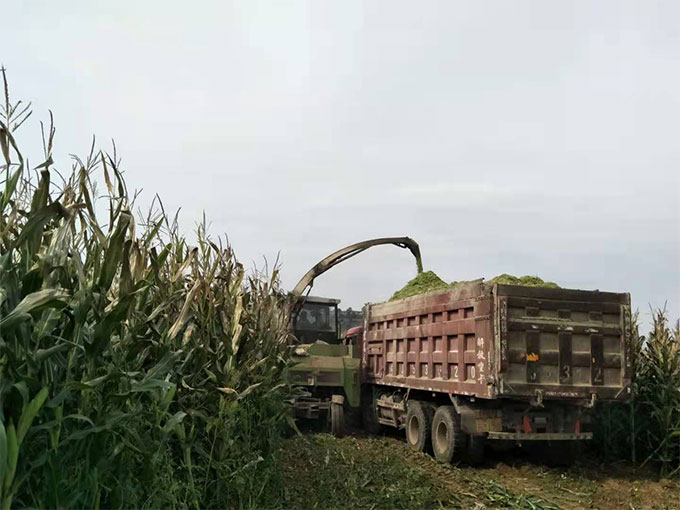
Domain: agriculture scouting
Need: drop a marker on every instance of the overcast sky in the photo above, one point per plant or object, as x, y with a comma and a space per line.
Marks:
520, 137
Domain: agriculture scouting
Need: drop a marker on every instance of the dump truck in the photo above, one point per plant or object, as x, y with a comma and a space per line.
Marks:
475, 364
489, 362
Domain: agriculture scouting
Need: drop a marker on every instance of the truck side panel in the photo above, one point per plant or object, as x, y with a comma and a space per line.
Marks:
437, 342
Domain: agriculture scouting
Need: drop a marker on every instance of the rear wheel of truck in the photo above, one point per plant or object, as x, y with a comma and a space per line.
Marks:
448, 439
337, 416
418, 425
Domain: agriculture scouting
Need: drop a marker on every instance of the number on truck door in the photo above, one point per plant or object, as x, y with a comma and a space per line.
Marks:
566, 372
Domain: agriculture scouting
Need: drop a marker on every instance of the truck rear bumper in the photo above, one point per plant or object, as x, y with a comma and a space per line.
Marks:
540, 436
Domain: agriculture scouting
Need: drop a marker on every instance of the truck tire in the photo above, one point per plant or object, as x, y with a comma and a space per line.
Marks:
337, 419
448, 439
369, 412
418, 425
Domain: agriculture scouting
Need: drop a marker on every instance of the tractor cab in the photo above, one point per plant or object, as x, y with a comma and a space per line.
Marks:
317, 320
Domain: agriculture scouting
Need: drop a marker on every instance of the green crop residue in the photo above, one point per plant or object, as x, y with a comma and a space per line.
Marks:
426, 281
526, 281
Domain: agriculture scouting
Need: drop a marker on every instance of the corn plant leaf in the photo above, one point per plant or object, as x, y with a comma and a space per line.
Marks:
164, 365
32, 231
277, 387
107, 179
173, 421
147, 385
3, 451
42, 193
29, 414
12, 456
109, 424
185, 264
114, 252
43, 354
186, 312
79, 417
93, 383
151, 234
34, 302
10, 186
168, 396
112, 320
249, 390
50, 318
126, 283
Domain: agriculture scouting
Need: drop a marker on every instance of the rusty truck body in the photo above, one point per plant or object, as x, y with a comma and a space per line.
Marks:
485, 361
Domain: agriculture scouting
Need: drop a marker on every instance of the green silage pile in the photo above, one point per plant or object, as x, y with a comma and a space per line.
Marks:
429, 281
526, 281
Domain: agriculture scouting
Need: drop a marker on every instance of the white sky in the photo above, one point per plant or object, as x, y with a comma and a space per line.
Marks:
521, 137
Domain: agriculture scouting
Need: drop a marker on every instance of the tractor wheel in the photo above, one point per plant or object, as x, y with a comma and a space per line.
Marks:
448, 439
337, 417
418, 425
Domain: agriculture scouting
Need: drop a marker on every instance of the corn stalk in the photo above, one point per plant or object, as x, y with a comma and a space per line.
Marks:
136, 370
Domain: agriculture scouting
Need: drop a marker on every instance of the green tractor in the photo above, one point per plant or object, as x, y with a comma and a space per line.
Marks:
327, 360
327, 366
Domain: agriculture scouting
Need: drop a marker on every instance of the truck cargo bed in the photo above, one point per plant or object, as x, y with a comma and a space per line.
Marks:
491, 341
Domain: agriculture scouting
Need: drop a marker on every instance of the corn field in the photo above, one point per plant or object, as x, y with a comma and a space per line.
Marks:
647, 430
136, 370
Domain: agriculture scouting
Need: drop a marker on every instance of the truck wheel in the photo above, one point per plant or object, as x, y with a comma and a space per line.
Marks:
448, 439
337, 419
369, 413
474, 453
418, 425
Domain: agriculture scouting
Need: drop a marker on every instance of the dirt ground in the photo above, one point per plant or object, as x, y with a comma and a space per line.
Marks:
376, 472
